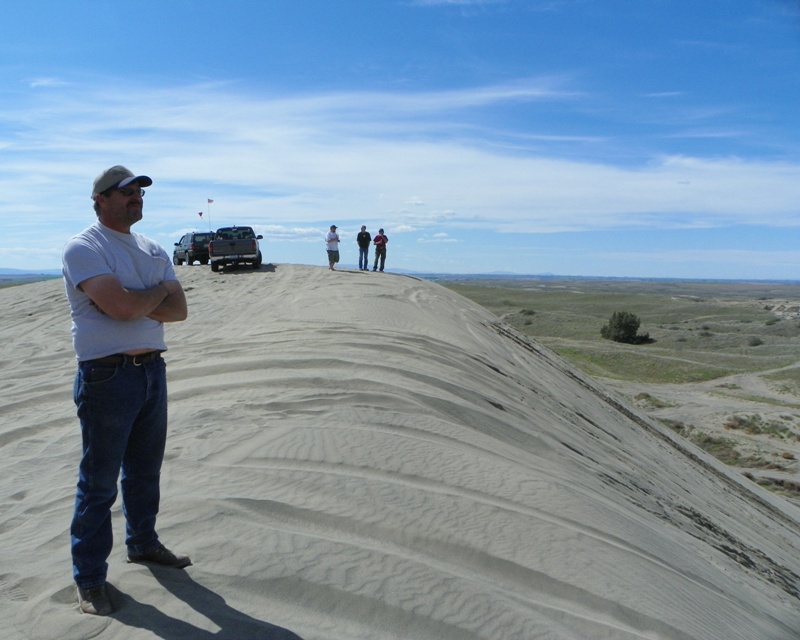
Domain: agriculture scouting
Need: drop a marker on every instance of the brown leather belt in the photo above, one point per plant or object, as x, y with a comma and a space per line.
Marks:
124, 358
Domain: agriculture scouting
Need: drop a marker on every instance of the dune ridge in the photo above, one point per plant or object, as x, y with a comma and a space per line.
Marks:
359, 455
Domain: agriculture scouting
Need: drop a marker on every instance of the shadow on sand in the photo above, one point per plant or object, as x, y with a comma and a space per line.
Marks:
233, 624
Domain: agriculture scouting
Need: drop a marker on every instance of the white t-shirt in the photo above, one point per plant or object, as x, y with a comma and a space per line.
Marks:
138, 263
332, 241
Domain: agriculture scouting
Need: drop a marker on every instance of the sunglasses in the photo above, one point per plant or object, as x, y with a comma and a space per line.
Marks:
128, 191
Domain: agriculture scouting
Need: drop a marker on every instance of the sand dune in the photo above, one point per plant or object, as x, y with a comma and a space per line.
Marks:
358, 455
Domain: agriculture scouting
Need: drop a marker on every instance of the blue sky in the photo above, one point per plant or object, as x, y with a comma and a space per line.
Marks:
652, 138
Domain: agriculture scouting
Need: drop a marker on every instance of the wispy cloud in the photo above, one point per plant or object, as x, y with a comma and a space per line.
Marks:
436, 238
290, 162
46, 82
664, 94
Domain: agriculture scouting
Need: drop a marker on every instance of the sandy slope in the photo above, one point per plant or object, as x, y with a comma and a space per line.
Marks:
360, 455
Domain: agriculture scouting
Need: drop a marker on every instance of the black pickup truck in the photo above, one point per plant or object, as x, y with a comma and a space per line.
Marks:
232, 246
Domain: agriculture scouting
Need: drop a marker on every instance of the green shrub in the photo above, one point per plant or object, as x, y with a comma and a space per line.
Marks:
623, 327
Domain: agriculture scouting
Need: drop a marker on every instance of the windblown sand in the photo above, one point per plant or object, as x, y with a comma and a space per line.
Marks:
358, 455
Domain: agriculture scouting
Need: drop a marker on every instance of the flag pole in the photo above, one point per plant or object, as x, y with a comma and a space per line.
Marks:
209, 212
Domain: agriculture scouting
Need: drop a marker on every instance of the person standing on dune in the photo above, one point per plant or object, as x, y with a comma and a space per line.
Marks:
380, 250
121, 288
364, 239
332, 246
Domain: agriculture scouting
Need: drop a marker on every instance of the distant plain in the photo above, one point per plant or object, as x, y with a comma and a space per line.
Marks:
722, 367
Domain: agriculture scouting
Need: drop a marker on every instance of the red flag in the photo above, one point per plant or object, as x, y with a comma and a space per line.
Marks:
210, 201
200, 213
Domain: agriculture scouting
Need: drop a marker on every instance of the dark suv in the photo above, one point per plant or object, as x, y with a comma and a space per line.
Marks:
192, 246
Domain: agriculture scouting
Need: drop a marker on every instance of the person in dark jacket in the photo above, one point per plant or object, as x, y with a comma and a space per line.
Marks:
364, 239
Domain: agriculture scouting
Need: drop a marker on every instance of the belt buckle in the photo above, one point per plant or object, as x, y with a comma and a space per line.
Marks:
136, 359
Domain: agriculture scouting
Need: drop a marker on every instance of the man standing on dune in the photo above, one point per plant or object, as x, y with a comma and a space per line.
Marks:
380, 250
332, 247
121, 288
364, 239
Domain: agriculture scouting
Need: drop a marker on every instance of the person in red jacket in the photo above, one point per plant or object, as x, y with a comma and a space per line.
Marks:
380, 249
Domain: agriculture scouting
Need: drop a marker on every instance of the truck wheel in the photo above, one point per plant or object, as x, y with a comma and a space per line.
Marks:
257, 263
176, 261
215, 266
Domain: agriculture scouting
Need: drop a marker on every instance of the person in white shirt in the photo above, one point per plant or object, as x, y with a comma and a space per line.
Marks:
332, 245
122, 289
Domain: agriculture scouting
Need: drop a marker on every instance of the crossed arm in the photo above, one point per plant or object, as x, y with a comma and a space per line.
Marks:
165, 302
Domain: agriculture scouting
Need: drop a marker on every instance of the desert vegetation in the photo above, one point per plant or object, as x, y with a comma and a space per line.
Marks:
700, 330
623, 326
720, 363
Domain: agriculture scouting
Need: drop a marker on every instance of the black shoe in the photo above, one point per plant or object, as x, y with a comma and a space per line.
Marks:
95, 601
162, 556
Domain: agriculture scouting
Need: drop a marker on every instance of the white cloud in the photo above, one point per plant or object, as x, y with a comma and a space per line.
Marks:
288, 164
436, 238
37, 83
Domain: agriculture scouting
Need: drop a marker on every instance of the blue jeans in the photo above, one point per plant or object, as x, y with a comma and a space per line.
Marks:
363, 257
123, 415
